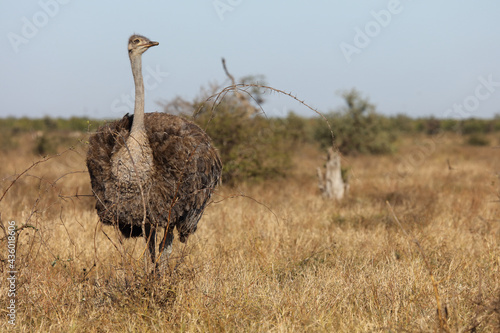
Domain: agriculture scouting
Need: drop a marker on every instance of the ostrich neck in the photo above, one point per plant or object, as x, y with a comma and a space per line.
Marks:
138, 123
133, 162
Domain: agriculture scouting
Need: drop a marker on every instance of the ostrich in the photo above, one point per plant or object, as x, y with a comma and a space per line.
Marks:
151, 170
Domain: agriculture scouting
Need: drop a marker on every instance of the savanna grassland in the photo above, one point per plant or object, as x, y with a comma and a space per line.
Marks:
268, 256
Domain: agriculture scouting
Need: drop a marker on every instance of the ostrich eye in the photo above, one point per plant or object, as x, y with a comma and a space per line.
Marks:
136, 41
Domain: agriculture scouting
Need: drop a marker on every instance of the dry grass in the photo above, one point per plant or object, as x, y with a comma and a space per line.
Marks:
274, 257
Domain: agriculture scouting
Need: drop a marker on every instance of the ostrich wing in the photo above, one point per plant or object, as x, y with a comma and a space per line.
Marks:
187, 170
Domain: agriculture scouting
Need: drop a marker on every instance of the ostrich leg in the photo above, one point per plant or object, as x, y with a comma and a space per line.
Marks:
165, 248
150, 239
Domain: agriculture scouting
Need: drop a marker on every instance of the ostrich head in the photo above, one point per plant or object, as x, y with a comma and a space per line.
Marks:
138, 44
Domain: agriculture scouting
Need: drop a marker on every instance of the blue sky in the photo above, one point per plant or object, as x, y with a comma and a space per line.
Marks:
68, 57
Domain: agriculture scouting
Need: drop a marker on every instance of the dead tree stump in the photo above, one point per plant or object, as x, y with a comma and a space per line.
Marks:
332, 185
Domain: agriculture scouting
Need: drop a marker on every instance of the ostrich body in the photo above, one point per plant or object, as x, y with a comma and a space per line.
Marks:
151, 170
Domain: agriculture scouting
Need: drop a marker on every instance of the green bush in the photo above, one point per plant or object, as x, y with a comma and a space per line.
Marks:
252, 147
357, 129
476, 126
463, 126
8, 141
44, 146
478, 140
401, 124
48, 124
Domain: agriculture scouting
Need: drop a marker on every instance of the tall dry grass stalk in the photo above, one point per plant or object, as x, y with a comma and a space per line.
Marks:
272, 257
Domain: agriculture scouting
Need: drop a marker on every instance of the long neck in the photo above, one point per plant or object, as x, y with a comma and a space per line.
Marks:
138, 123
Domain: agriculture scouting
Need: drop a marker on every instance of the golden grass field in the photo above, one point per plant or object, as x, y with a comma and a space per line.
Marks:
268, 257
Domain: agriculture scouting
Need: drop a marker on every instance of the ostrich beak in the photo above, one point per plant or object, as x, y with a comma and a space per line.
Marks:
151, 43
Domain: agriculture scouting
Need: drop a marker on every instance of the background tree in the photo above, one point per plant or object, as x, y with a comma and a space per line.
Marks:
357, 128
252, 146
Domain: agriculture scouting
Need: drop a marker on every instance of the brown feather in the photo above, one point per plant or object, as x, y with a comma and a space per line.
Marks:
186, 169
